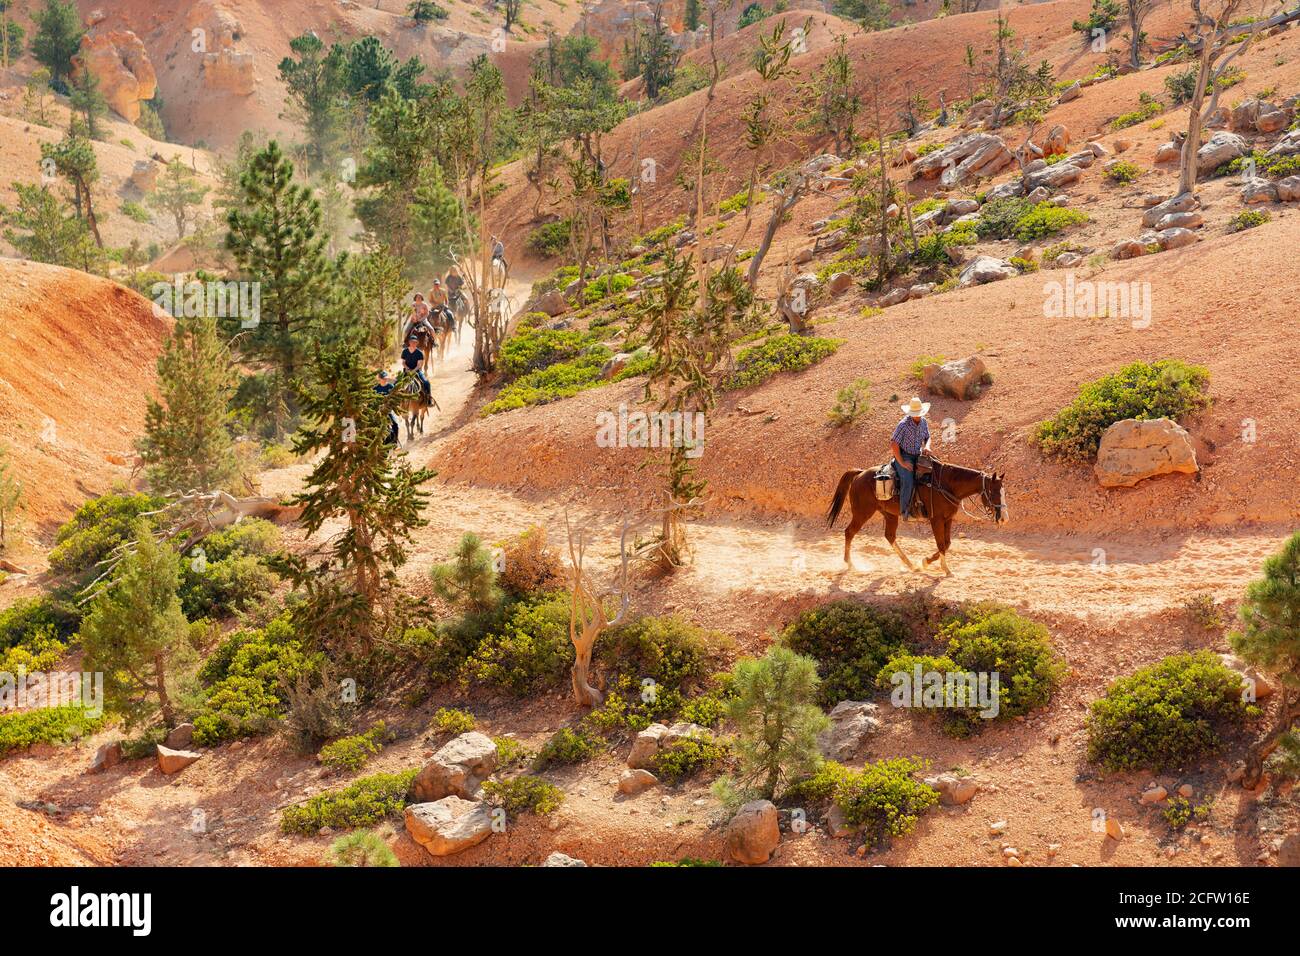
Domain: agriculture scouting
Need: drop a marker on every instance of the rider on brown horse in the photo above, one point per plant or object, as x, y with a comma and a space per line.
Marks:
910, 440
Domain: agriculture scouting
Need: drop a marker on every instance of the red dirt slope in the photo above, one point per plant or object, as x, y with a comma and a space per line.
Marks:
77, 362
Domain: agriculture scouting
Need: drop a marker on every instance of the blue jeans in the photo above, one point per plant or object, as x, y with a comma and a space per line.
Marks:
906, 484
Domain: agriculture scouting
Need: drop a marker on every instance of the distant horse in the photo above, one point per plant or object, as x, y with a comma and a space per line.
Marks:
443, 321
414, 404
460, 309
943, 497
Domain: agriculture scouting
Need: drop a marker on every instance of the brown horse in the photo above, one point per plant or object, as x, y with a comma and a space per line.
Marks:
414, 404
949, 486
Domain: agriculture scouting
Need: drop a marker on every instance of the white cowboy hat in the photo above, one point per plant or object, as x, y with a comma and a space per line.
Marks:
916, 407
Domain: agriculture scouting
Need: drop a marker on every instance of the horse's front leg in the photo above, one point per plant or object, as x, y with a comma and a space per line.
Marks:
891, 529
936, 526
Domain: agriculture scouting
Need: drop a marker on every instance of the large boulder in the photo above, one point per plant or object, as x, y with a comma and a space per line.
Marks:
1183, 202
180, 736
984, 269
109, 755
1071, 92
458, 768
449, 825
974, 156
1169, 152
1257, 190
1054, 177
1288, 145
117, 58
961, 378
1288, 190
646, 747
1134, 449
1223, 147
753, 834
852, 722
174, 761
1175, 238
632, 782
953, 790
144, 175
1180, 220
552, 303
560, 859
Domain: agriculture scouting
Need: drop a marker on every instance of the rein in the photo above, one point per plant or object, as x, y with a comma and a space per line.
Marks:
936, 474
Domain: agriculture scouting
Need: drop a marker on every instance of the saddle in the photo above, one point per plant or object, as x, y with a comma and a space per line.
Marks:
887, 484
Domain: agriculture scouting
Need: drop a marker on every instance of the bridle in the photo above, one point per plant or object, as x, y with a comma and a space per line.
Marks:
992, 512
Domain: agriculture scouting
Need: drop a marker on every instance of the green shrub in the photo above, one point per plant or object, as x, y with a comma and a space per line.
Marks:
29, 618
611, 283
534, 348
1148, 107
362, 848
550, 384
780, 353
531, 649
850, 642
1164, 389
351, 753
40, 650
686, 757
851, 402
687, 861
97, 528
567, 746
47, 725
215, 589
363, 803
133, 210
1122, 171
739, 201
709, 708
670, 650
1167, 715
246, 677
551, 239
509, 752
999, 217
525, 794
451, 721
884, 799
1046, 219
1248, 219
631, 704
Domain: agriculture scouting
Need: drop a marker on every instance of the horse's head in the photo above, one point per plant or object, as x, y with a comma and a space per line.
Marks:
994, 496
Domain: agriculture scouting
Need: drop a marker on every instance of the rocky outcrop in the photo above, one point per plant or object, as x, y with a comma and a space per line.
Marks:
180, 736
1288, 145
852, 722
117, 58
560, 859
458, 768
107, 756
1183, 202
1134, 449
1288, 190
1257, 190
962, 379
1055, 176
552, 303
953, 790
974, 156
449, 825
753, 834
984, 269
225, 69
646, 747
1223, 147
632, 782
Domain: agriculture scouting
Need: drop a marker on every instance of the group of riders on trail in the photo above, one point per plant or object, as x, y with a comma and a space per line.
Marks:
431, 323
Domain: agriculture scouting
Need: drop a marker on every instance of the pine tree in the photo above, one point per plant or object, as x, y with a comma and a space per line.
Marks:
692, 14
136, 634
1269, 639
345, 423
178, 192
313, 83
58, 37
53, 233
186, 444
11, 494
777, 723
88, 105
74, 159
11, 36
375, 278
275, 239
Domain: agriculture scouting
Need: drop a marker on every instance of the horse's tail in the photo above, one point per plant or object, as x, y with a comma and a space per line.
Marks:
841, 492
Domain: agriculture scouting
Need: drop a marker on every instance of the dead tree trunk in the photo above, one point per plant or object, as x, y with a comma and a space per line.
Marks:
1287, 715
587, 614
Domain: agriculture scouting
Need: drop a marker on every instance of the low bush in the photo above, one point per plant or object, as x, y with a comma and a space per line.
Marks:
1123, 172
97, 528
883, 798
47, 725
361, 804
451, 721
1168, 715
1164, 389
1248, 219
611, 283
28, 619
851, 402
1047, 219
530, 650
362, 848
550, 384
551, 239
850, 641
533, 348
1148, 107
686, 757
351, 753
524, 794
780, 353
567, 746
530, 567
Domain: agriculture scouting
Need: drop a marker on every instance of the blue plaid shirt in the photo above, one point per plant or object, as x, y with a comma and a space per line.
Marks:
911, 435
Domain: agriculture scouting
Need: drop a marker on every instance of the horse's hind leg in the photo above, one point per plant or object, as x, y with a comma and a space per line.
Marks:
891, 529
